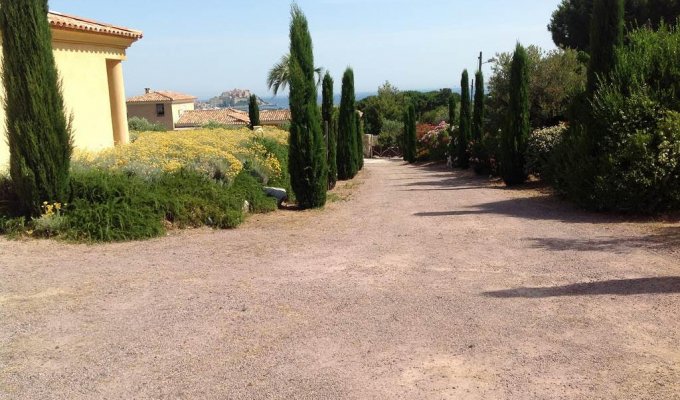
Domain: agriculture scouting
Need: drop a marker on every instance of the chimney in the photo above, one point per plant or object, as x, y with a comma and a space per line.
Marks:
147, 90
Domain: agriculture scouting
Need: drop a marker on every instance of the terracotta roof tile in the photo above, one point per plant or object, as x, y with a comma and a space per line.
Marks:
64, 21
196, 118
161, 96
274, 115
229, 116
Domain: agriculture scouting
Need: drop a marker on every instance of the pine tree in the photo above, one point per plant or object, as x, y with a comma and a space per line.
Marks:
38, 132
514, 137
478, 116
606, 33
452, 122
254, 112
347, 135
327, 113
307, 158
360, 143
465, 129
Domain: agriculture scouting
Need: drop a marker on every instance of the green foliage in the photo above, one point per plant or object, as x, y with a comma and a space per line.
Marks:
38, 132
330, 121
212, 125
568, 21
436, 116
392, 134
606, 33
625, 154
541, 147
452, 124
556, 78
307, 154
514, 137
373, 120
390, 102
410, 139
137, 124
254, 111
360, 143
333, 150
465, 128
478, 116
347, 135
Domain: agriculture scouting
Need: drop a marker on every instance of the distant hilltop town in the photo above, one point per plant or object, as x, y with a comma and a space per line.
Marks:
237, 98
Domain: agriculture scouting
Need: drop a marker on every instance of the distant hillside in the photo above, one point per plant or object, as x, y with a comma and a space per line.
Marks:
236, 98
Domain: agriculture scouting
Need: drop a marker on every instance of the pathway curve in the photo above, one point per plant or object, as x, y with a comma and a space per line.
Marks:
426, 284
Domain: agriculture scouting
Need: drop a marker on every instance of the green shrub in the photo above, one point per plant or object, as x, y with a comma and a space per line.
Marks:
212, 125
391, 134
541, 146
137, 124
436, 116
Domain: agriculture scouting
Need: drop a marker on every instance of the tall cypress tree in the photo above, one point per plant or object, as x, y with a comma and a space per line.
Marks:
254, 112
514, 137
405, 140
413, 140
38, 132
452, 122
478, 116
465, 129
606, 33
347, 135
307, 158
360, 143
331, 140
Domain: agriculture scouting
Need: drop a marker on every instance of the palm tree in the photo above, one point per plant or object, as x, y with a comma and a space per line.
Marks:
279, 75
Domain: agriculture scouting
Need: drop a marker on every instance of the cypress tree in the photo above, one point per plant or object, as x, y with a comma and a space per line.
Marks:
360, 143
452, 122
478, 116
410, 134
347, 135
254, 112
465, 129
606, 33
514, 137
405, 141
307, 158
38, 132
327, 113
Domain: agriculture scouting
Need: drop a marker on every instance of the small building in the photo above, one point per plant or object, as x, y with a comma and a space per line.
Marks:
231, 117
89, 56
161, 107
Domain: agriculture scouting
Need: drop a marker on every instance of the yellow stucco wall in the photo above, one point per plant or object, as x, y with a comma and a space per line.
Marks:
179, 109
81, 60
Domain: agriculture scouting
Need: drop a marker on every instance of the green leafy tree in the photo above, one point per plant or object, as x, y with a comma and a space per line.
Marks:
327, 113
347, 135
515, 136
360, 143
279, 75
307, 159
254, 112
568, 21
465, 129
478, 117
606, 34
38, 132
373, 120
410, 134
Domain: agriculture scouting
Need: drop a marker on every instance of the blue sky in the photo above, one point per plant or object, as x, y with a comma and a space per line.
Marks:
205, 47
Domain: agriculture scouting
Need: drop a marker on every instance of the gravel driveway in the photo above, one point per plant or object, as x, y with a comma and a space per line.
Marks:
420, 283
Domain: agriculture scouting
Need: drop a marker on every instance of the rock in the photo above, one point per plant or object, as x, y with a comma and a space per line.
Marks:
279, 194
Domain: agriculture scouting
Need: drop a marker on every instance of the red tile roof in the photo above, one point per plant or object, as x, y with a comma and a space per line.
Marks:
161, 96
71, 22
196, 118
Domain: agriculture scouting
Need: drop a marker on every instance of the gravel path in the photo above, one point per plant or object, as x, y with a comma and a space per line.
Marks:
419, 284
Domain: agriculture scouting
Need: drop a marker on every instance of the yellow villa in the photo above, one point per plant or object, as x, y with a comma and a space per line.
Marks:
89, 58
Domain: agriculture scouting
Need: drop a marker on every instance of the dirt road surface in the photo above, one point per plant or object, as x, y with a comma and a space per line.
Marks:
417, 283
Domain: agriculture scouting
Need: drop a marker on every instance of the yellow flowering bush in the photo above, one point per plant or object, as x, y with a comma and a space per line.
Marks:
219, 153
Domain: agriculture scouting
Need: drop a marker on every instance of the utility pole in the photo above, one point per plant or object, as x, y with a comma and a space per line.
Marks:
480, 61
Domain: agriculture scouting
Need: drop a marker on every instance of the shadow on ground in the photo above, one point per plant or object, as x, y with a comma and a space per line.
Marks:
625, 287
664, 239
